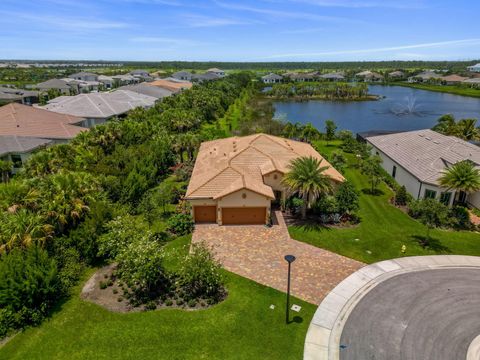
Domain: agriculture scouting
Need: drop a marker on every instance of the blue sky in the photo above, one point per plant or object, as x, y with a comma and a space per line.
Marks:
226, 30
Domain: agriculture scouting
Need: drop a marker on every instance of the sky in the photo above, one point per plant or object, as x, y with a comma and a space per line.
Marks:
252, 30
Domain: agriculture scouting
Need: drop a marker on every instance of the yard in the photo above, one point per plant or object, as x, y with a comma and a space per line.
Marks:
241, 327
384, 229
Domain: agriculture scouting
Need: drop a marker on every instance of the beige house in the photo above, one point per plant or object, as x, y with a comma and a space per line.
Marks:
235, 180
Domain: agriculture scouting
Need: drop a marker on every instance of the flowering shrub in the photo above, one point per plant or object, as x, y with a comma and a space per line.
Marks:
180, 224
200, 274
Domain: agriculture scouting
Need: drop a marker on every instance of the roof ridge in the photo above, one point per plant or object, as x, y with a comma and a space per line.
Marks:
214, 176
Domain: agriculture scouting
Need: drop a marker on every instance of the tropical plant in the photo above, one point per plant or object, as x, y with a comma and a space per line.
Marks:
371, 168
347, 198
200, 274
430, 213
306, 177
180, 224
462, 176
5, 169
330, 129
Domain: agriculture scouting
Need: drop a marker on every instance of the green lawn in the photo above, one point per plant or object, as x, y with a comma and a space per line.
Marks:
451, 89
241, 327
383, 229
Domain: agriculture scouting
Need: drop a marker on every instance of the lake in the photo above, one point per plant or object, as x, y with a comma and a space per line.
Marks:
402, 108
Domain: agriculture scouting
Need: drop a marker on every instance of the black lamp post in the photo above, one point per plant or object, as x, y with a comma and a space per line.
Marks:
290, 259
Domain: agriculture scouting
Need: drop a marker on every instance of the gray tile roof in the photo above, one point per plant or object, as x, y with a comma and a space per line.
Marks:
100, 105
142, 88
425, 153
272, 76
53, 84
20, 144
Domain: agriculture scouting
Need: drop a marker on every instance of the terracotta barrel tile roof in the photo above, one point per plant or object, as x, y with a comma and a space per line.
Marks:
227, 165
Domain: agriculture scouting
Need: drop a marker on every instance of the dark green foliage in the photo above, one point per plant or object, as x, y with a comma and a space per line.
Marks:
200, 274
330, 129
461, 218
401, 196
430, 213
29, 285
180, 224
327, 90
347, 198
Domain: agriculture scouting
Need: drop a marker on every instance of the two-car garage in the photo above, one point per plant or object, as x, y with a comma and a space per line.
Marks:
231, 215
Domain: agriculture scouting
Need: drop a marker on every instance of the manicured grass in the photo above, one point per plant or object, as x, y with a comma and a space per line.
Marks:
383, 229
241, 327
450, 89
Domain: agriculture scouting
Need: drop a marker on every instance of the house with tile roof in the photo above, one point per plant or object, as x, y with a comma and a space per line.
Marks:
474, 68
29, 121
417, 160
272, 78
235, 180
18, 149
96, 108
171, 84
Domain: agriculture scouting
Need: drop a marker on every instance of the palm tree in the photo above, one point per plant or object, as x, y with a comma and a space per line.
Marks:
466, 129
307, 179
462, 176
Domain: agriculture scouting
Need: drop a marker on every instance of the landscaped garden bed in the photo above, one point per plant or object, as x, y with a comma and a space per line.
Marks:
104, 288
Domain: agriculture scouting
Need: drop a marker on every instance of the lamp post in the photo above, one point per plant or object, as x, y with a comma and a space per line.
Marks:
290, 259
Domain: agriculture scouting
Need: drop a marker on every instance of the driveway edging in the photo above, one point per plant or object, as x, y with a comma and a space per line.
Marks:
323, 336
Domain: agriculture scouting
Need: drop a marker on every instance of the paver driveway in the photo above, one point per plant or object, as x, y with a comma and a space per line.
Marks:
257, 252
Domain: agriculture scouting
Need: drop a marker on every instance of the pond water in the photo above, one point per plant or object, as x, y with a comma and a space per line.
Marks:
402, 108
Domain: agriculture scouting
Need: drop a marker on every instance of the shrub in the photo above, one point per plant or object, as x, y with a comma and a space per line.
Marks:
168, 302
460, 218
180, 224
121, 231
29, 284
151, 305
347, 198
326, 205
401, 196
192, 303
200, 274
103, 285
430, 212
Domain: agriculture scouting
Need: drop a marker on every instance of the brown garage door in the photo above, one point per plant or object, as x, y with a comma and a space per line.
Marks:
205, 214
238, 216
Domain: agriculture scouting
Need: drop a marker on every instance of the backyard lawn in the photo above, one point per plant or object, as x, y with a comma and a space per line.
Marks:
383, 230
241, 327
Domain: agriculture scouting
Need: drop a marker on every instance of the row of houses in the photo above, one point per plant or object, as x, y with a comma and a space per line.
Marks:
210, 74
367, 76
25, 129
431, 76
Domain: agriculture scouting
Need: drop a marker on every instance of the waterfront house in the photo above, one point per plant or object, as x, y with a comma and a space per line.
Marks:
474, 68
272, 78
452, 79
417, 159
235, 180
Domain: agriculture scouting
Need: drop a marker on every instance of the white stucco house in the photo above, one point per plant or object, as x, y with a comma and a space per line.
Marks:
474, 68
235, 180
272, 78
417, 159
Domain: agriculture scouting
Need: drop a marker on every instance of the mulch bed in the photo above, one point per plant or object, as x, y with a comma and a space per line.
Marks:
294, 220
111, 296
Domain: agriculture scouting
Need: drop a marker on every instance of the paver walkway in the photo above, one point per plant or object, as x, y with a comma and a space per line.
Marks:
257, 252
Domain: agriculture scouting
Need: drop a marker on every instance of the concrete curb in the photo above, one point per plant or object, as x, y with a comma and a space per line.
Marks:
323, 335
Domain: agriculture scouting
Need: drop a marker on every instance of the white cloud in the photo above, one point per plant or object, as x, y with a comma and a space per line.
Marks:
198, 21
165, 40
395, 4
441, 44
286, 14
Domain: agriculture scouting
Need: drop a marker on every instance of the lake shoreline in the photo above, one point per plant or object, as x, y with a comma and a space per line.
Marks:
318, 97
446, 89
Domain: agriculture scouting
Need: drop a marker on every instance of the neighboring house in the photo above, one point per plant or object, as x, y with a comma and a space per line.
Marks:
369, 76
107, 81
417, 159
301, 77
272, 78
171, 85
183, 75
423, 77
475, 82
143, 75
56, 84
26, 97
332, 77
208, 76
97, 108
120, 80
216, 71
396, 74
30, 121
235, 180
146, 89
84, 76
452, 79
474, 68
18, 149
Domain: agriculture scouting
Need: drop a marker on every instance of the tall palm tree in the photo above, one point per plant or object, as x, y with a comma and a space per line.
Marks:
462, 176
306, 178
